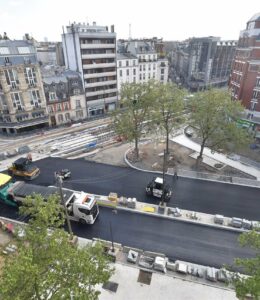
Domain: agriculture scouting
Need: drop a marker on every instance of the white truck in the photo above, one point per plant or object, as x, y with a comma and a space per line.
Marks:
81, 207
157, 188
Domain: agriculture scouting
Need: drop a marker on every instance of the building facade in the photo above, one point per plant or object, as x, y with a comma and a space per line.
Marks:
50, 53
209, 62
22, 100
91, 51
202, 62
138, 61
65, 96
245, 76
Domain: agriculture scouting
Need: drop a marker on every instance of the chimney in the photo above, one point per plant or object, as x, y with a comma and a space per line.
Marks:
112, 28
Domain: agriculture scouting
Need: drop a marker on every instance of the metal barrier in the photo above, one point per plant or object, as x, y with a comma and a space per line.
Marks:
216, 177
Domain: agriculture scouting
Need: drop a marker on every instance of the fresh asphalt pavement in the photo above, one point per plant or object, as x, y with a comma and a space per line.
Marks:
190, 194
177, 240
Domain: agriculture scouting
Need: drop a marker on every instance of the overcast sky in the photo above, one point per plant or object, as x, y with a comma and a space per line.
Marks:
169, 19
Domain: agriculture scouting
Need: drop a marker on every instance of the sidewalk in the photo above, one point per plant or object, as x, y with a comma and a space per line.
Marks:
186, 142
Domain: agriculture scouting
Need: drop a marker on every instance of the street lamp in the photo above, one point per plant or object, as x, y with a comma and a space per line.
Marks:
114, 211
65, 208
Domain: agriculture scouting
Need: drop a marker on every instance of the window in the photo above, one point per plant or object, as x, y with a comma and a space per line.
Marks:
162, 78
154, 75
120, 64
11, 77
162, 71
127, 72
127, 63
256, 95
140, 76
78, 104
154, 66
140, 68
30, 75
76, 91
121, 73
67, 116
143, 76
144, 67
17, 101
60, 118
79, 114
4, 50
84, 211
50, 109
66, 106
58, 107
134, 79
7, 61
52, 96
134, 71
35, 98
134, 62
149, 67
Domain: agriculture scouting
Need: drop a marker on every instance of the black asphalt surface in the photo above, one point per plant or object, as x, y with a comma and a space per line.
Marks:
191, 194
178, 240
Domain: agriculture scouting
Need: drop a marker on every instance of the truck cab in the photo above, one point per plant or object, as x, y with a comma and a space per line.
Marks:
157, 188
82, 207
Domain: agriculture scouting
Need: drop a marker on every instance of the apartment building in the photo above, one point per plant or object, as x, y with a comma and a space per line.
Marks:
245, 75
139, 61
91, 51
65, 95
22, 100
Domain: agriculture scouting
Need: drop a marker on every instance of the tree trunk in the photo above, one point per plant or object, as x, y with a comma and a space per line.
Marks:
167, 141
136, 148
202, 146
199, 158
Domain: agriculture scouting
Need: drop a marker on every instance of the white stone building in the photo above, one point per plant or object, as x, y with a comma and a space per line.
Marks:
138, 61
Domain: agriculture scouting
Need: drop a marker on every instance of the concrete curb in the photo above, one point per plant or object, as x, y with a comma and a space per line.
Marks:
159, 172
178, 219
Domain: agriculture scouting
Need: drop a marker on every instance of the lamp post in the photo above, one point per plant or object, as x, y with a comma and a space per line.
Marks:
65, 208
114, 211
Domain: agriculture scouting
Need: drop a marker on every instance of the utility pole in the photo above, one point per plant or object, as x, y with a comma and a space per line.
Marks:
65, 208
164, 167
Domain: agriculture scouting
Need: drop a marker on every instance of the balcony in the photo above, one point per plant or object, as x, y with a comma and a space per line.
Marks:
101, 83
96, 66
102, 92
96, 75
97, 46
102, 55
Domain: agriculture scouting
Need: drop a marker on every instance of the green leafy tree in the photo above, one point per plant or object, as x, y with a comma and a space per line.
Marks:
215, 116
137, 100
167, 108
47, 265
249, 285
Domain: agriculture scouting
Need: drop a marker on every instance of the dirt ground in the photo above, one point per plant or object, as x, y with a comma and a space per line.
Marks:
151, 158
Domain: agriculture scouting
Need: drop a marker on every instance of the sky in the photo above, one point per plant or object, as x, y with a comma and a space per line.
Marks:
167, 19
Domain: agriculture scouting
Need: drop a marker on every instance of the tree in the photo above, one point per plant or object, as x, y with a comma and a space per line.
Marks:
47, 265
251, 266
168, 107
137, 99
215, 115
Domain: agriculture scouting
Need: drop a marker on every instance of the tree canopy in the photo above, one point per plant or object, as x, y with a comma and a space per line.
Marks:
47, 265
137, 99
214, 116
251, 266
167, 108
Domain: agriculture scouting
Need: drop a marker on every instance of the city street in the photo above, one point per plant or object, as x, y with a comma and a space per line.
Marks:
191, 194
178, 240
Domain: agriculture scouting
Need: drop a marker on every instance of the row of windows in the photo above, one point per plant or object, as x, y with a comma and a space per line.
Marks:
12, 79
127, 63
97, 41
101, 88
100, 70
100, 79
97, 51
18, 102
103, 96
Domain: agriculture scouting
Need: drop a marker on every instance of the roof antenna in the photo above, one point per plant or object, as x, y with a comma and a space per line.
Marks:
130, 37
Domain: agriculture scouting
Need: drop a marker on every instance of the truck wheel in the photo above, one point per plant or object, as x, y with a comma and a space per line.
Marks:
82, 221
